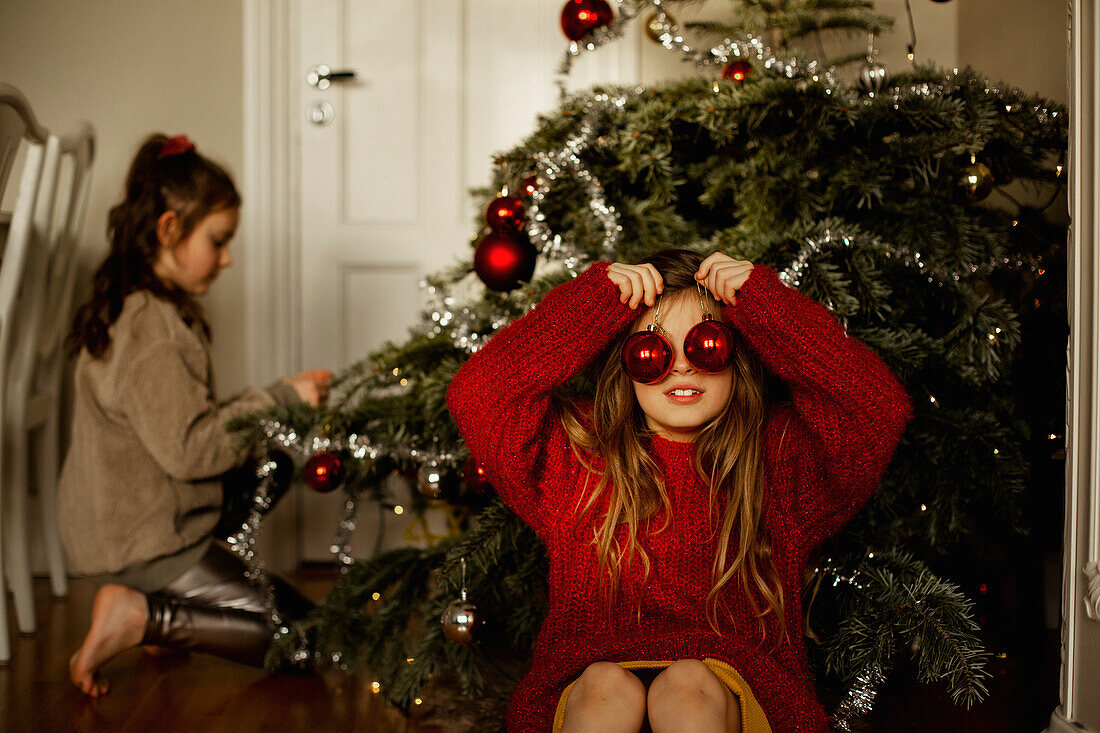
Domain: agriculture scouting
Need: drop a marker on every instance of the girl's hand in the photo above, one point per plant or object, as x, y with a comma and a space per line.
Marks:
311, 386
723, 276
637, 283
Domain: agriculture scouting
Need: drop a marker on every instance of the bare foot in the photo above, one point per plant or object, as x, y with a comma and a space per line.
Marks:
118, 623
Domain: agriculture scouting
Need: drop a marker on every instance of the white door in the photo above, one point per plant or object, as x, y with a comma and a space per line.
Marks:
386, 159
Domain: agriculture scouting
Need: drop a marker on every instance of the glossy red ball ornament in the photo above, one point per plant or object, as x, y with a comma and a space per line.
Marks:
505, 214
504, 260
709, 346
647, 357
581, 17
323, 472
737, 70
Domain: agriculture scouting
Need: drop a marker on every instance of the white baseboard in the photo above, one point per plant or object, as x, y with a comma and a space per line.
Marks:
1059, 724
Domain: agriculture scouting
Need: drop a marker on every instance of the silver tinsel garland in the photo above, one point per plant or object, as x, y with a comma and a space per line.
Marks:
565, 162
243, 543
859, 699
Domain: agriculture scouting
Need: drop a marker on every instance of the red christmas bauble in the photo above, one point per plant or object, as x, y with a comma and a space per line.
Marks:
737, 70
474, 476
323, 472
647, 356
581, 17
504, 260
505, 214
709, 346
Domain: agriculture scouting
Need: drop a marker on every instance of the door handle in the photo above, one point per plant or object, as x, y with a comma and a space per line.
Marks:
322, 76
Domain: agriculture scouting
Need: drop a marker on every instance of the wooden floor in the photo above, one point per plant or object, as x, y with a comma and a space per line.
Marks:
197, 693
194, 693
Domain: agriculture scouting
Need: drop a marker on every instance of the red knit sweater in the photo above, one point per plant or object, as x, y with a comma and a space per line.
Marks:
824, 457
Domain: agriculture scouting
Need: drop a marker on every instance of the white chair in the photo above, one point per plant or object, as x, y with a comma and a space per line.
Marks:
42, 379
18, 128
37, 358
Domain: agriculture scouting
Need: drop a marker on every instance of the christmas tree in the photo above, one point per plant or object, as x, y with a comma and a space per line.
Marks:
912, 207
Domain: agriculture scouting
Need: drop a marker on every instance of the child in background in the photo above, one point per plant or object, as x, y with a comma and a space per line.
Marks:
679, 509
142, 491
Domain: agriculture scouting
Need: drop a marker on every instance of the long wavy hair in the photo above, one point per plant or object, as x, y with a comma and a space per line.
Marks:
728, 458
187, 183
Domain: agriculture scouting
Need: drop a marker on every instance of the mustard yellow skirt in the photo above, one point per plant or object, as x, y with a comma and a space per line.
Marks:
753, 719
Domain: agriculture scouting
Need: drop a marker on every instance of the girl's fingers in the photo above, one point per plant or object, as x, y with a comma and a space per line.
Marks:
637, 288
616, 273
649, 286
657, 278
726, 278
706, 264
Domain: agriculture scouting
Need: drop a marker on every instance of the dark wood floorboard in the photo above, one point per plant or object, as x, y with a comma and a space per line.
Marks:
191, 693
197, 693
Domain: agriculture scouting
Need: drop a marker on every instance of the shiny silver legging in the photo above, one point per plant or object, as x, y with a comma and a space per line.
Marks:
212, 607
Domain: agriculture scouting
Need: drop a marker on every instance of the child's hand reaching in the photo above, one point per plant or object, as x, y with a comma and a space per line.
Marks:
637, 283
723, 276
311, 385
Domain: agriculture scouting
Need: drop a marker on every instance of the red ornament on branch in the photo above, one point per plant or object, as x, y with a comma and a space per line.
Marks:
503, 260
581, 17
737, 70
505, 214
323, 472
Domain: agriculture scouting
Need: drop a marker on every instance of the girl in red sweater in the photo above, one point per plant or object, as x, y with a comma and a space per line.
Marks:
679, 508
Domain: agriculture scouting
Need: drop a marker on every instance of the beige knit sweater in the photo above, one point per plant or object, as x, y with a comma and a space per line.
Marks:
140, 490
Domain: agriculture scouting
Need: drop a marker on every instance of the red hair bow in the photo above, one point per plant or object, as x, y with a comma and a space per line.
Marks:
176, 146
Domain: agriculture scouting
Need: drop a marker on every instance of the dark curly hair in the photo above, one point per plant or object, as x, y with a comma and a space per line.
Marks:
184, 182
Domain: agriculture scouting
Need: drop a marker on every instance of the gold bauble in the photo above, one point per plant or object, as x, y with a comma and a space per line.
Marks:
653, 27
975, 181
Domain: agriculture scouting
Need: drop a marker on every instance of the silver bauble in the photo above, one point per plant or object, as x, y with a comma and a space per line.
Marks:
429, 478
872, 77
459, 620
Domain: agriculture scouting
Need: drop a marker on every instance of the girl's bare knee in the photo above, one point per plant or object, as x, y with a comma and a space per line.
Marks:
606, 692
688, 677
605, 680
689, 695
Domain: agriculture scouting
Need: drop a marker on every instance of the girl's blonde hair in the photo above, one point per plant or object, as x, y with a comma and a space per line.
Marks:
728, 454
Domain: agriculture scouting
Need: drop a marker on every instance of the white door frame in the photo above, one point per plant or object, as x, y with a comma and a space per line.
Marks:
1080, 679
270, 236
